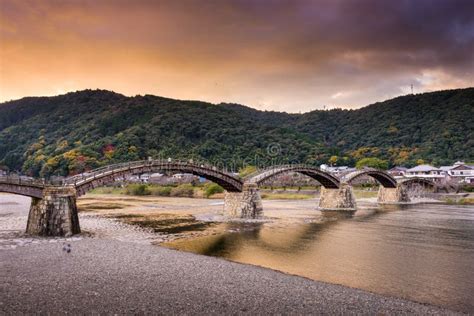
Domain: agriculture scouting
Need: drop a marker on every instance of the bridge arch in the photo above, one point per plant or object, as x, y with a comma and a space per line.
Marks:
420, 181
327, 180
382, 177
30, 188
112, 173
416, 180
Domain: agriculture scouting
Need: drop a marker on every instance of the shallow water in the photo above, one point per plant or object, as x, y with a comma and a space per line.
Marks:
420, 252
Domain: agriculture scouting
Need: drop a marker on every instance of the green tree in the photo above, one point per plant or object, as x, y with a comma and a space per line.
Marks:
332, 160
138, 189
420, 162
211, 189
372, 163
245, 171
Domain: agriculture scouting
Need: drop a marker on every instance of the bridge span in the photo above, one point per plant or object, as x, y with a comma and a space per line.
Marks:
53, 210
112, 173
27, 187
326, 179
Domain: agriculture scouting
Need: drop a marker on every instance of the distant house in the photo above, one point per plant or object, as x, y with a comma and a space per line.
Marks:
3, 172
398, 171
155, 177
145, 177
460, 172
158, 178
339, 170
184, 177
426, 172
133, 178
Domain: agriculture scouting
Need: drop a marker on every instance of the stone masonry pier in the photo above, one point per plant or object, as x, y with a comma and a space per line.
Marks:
55, 214
245, 204
341, 199
393, 195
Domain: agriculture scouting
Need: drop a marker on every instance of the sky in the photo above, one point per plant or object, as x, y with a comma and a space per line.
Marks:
293, 56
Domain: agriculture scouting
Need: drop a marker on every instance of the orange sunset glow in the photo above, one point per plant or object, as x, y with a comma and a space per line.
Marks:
280, 55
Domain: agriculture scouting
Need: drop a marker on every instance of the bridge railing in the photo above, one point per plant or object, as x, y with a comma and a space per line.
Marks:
263, 171
353, 174
21, 180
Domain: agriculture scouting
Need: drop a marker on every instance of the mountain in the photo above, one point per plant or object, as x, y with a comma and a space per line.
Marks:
70, 133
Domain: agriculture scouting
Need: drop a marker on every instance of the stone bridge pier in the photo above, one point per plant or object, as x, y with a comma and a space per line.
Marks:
245, 204
393, 195
55, 214
340, 199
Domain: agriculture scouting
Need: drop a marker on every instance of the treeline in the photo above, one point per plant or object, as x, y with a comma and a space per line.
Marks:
182, 190
75, 132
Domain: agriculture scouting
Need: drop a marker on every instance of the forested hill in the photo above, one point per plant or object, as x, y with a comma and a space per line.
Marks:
77, 131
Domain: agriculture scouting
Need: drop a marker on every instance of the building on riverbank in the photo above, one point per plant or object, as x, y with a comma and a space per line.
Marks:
398, 171
427, 172
459, 172
337, 170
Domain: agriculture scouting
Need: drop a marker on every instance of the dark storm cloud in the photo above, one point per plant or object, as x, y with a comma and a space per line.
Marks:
286, 55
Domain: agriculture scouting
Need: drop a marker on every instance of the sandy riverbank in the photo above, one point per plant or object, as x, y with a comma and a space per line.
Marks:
114, 268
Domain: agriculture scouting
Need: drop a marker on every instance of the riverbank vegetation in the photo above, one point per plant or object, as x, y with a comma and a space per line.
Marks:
213, 190
286, 196
206, 190
461, 201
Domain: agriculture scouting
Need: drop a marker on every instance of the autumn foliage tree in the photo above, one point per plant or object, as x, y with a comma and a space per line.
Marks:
372, 163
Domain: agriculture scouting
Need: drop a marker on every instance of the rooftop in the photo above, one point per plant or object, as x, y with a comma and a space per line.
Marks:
423, 168
399, 168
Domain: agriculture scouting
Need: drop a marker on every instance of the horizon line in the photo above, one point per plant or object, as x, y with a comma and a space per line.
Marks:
326, 107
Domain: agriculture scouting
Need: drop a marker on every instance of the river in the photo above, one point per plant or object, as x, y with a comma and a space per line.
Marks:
421, 252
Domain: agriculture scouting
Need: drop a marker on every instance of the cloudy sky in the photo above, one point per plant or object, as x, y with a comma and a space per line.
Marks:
295, 55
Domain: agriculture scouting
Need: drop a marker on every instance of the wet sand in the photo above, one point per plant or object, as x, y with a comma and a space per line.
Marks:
114, 268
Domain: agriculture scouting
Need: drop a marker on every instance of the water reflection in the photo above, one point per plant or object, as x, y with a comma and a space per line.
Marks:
424, 253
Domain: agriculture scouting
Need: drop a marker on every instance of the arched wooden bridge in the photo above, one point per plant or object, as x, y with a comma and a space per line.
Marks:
53, 209
417, 180
112, 173
21, 186
327, 180
384, 178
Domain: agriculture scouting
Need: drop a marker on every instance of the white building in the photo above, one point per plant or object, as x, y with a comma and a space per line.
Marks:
426, 172
460, 172
138, 178
339, 170
145, 177
155, 175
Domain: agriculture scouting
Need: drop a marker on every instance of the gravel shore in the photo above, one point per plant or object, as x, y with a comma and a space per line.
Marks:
116, 270
117, 277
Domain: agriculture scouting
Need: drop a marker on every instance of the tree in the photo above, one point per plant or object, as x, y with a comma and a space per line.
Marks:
420, 162
211, 189
332, 160
104, 127
245, 171
372, 163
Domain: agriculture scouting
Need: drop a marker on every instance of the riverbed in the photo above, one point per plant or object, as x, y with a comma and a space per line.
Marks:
421, 252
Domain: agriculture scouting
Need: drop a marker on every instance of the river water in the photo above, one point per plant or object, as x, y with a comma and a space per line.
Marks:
421, 252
